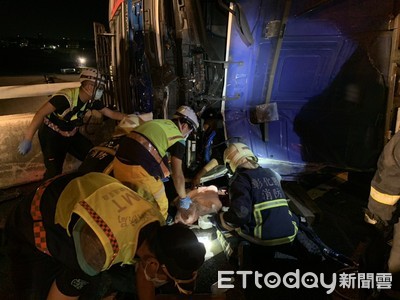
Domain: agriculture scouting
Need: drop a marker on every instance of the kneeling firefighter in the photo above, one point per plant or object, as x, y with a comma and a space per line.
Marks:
259, 211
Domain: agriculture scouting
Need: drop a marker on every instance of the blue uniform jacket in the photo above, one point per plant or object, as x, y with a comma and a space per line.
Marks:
259, 207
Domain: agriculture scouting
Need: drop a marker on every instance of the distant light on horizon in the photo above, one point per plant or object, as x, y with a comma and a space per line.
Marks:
81, 61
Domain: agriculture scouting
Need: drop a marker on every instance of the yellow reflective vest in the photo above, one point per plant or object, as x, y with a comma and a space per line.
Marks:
161, 133
114, 212
72, 96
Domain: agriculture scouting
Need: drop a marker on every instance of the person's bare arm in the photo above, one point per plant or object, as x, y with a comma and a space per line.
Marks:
37, 120
55, 294
209, 166
112, 114
178, 177
145, 288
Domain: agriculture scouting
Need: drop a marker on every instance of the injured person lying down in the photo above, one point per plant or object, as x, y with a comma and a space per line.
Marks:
204, 200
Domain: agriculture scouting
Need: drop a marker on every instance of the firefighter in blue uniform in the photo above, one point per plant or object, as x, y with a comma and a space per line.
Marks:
259, 211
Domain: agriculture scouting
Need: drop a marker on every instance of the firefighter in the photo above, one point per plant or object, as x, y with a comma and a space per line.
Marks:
384, 197
59, 119
75, 228
258, 212
142, 158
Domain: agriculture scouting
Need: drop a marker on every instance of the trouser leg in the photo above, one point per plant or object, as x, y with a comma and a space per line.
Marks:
79, 146
54, 149
31, 273
394, 258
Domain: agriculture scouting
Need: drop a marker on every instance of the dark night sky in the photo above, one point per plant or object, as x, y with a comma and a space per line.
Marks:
53, 19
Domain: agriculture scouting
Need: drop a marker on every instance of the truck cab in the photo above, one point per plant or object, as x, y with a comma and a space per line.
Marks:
307, 84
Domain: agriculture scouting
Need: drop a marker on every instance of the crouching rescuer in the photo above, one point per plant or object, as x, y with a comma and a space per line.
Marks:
59, 120
142, 159
74, 230
259, 212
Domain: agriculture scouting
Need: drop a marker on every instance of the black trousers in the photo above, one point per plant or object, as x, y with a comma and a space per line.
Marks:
55, 148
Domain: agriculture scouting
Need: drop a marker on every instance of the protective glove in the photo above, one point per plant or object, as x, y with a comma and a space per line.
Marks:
24, 147
185, 202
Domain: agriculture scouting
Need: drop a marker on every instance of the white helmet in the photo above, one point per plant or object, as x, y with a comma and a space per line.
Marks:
188, 114
234, 154
91, 74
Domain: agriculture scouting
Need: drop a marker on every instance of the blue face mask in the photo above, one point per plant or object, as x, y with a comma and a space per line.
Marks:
98, 94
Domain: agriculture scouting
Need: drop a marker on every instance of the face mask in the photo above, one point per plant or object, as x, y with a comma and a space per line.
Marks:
156, 281
187, 134
98, 94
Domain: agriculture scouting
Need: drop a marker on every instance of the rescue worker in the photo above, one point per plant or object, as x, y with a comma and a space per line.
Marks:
141, 161
384, 198
211, 145
59, 119
75, 228
259, 211
100, 158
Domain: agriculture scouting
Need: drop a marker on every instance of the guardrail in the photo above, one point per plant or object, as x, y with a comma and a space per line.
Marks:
23, 91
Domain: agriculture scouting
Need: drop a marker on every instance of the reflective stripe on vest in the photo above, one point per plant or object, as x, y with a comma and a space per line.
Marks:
258, 208
151, 149
383, 198
103, 225
38, 228
72, 96
272, 242
54, 127
161, 133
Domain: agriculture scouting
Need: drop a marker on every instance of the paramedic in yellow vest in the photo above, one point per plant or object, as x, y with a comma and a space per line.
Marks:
383, 202
259, 211
76, 228
141, 161
59, 119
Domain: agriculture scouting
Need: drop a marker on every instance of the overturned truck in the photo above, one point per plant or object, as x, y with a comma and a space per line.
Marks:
307, 84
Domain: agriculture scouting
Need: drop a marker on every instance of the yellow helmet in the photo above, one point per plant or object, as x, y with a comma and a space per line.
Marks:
235, 152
